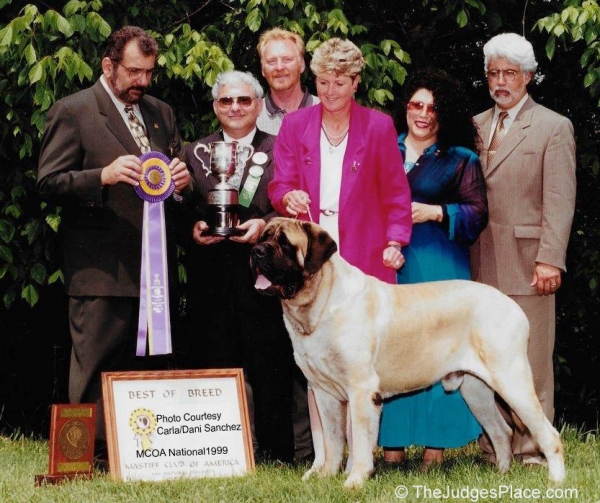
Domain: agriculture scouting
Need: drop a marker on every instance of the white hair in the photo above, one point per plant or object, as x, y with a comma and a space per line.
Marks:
512, 46
235, 77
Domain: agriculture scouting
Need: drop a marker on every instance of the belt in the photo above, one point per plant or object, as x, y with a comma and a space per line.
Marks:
329, 213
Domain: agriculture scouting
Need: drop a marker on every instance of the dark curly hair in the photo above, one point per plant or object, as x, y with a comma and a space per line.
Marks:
115, 45
453, 109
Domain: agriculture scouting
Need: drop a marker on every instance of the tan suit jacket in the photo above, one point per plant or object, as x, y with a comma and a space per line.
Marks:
531, 198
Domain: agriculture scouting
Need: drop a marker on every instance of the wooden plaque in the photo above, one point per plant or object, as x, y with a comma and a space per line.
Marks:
72, 435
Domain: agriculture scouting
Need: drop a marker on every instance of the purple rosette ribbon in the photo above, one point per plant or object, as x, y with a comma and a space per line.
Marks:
154, 324
156, 183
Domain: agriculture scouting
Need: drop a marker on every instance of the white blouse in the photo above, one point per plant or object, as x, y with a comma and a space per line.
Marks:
332, 159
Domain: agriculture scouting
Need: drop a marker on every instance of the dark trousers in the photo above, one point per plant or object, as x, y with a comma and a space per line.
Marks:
230, 325
103, 334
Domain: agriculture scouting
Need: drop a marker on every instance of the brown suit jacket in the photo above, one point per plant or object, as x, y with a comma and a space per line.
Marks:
100, 226
531, 198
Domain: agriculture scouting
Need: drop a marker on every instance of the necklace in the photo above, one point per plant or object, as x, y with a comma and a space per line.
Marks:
334, 140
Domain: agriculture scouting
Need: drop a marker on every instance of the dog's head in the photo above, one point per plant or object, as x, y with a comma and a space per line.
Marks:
287, 253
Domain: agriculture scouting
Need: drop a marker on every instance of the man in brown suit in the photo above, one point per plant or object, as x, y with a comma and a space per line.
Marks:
528, 160
89, 164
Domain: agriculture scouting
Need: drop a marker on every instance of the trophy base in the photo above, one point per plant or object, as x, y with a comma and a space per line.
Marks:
223, 220
225, 232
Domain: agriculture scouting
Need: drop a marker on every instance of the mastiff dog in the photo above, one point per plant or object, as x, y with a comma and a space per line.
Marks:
359, 340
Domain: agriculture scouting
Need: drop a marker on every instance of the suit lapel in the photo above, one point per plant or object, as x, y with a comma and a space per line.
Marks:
113, 120
357, 136
516, 134
259, 137
310, 142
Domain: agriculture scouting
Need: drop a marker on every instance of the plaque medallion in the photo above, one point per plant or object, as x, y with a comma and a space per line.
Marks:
74, 439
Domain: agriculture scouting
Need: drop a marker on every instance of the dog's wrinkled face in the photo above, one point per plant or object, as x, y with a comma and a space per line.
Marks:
287, 253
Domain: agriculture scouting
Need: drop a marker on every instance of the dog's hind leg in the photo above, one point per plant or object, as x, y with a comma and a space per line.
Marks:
524, 402
480, 399
329, 444
348, 441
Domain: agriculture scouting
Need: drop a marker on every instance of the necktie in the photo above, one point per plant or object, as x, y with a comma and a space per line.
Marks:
138, 131
499, 133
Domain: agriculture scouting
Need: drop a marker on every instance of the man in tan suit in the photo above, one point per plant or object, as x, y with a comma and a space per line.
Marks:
528, 160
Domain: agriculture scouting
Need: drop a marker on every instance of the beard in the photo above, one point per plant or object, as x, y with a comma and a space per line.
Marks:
125, 95
283, 81
509, 96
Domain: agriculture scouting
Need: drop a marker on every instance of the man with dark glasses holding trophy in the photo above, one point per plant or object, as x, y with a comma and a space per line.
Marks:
231, 325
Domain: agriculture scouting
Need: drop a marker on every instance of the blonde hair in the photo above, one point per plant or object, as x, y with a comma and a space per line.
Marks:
337, 56
280, 34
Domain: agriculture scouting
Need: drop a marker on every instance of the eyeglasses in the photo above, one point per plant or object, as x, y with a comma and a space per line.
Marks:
136, 73
418, 106
243, 101
508, 75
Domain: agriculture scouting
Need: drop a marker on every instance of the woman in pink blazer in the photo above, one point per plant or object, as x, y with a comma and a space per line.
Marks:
338, 164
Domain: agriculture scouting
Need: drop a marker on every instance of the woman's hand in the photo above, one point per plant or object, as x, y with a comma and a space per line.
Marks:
392, 257
425, 212
296, 202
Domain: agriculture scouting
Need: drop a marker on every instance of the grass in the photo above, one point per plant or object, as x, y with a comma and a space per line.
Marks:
462, 477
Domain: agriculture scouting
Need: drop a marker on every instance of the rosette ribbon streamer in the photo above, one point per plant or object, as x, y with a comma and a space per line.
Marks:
154, 326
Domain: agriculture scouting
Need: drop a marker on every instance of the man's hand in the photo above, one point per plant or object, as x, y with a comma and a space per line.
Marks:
253, 228
124, 169
199, 227
546, 278
179, 174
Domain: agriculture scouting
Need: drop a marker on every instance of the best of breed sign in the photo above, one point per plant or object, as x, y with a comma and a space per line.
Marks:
169, 424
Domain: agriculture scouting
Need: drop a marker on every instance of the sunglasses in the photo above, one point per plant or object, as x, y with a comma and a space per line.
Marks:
418, 106
243, 101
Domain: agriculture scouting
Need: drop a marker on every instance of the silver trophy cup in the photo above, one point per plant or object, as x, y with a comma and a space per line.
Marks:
223, 208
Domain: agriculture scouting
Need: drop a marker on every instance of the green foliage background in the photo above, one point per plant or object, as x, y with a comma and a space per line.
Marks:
50, 49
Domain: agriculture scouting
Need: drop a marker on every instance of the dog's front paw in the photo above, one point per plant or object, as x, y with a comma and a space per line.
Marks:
355, 480
322, 470
315, 468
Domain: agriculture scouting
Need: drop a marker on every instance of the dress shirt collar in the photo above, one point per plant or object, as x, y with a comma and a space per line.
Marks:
512, 113
120, 105
246, 140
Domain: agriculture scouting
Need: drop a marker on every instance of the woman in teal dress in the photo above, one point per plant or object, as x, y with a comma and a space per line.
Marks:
449, 211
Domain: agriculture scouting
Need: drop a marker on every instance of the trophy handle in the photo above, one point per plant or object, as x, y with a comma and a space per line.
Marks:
244, 153
207, 150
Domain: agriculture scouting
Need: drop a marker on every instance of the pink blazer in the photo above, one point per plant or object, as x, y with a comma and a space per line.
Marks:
374, 195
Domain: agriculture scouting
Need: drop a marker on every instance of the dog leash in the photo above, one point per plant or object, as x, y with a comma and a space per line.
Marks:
307, 210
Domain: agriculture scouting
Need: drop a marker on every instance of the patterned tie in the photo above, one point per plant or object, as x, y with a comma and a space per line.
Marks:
138, 131
499, 133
